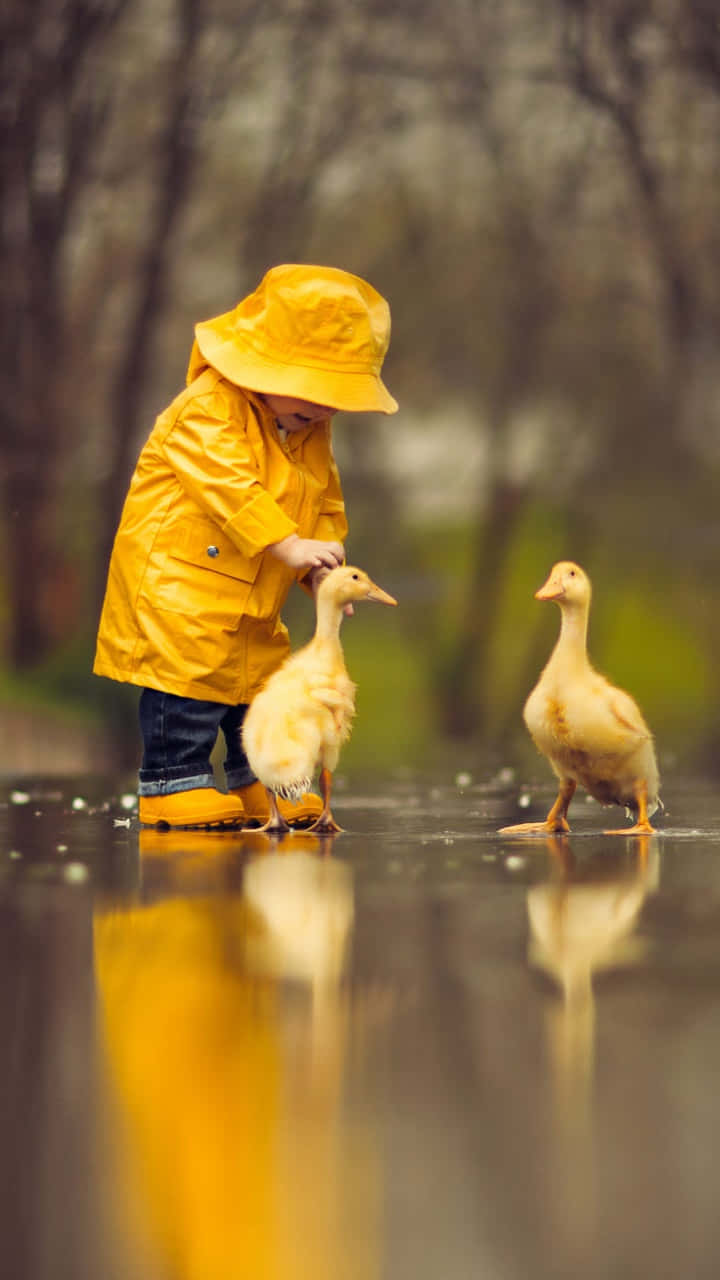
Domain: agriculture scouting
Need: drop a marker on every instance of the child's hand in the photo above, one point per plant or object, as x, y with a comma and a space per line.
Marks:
308, 553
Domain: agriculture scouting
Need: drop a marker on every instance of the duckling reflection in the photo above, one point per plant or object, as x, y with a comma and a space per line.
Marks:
582, 922
306, 906
225, 1032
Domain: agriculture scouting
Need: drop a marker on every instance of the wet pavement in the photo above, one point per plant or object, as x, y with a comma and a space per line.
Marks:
415, 1050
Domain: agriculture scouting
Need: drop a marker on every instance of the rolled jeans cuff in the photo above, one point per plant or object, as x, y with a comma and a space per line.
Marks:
168, 786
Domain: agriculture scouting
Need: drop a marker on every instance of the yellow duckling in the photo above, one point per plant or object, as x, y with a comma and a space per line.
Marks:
591, 732
304, 712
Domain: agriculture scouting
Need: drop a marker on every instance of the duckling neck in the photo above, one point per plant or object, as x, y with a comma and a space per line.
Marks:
327, 627
572, 641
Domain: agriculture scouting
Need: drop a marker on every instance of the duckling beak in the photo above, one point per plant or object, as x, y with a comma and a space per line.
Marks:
550, 590
379, 596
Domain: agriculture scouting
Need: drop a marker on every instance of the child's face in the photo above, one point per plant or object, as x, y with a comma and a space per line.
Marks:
294, 415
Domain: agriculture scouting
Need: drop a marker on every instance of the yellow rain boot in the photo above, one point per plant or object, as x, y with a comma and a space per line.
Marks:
297, 813
201, 807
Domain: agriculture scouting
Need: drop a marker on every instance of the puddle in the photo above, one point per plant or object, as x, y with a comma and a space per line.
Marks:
418, 1049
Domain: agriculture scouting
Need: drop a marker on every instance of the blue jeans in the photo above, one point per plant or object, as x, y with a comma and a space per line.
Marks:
178, 737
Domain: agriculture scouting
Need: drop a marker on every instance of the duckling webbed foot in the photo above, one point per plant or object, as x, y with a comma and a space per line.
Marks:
556, 822
545, 828
326, 824
276, 824
642, 825
638, 829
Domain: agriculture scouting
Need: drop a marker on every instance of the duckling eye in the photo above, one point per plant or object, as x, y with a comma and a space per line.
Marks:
571, 573
356, 576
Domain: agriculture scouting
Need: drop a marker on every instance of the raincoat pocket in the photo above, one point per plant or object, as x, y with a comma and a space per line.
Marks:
202, 573
202, 543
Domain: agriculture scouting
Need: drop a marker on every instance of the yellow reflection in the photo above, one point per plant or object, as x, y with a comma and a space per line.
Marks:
582, 922
225, 1026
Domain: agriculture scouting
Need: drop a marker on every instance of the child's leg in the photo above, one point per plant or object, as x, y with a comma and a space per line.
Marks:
237, 770
177, 784
178, 737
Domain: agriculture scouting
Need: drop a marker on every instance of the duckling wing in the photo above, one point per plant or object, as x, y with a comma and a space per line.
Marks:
641, 760
626, 712
337, 697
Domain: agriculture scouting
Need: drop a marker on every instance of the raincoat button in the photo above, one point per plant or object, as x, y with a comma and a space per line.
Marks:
213, 551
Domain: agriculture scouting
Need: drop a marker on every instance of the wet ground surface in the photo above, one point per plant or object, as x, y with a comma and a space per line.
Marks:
419, 1049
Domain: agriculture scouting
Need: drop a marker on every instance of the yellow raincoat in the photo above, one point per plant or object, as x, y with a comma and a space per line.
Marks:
193, 596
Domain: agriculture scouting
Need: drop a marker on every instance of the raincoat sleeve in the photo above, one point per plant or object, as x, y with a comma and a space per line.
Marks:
331, 524
208, 449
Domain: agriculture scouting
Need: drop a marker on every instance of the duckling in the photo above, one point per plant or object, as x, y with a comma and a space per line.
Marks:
304, 713
591, 732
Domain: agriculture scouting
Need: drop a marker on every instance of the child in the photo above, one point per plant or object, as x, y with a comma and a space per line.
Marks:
235, 496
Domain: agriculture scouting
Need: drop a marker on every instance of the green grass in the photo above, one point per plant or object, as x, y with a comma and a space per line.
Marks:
392, 725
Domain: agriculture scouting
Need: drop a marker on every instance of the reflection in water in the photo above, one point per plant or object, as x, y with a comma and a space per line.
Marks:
582, 922
226, 1029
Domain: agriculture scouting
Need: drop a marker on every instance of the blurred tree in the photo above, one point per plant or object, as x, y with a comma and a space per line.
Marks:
182, 93
611, 58
606, 328
532, 184
53, 113
487, 296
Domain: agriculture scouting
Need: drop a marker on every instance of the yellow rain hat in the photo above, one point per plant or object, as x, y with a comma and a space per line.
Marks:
313, 333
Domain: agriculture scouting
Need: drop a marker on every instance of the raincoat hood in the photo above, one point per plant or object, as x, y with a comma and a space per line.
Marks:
313, 333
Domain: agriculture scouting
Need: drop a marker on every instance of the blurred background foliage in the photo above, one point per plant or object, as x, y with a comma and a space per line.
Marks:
533, 184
